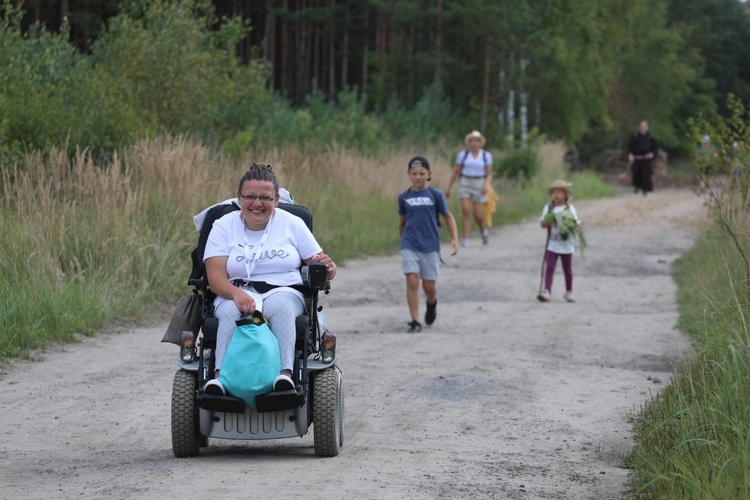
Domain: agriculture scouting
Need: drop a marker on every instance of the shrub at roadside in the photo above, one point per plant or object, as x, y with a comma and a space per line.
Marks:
50, 95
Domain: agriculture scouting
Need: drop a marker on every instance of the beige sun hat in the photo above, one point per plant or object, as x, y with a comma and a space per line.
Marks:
477, 134
563, 185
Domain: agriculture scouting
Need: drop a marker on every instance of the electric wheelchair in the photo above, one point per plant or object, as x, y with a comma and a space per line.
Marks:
317, 400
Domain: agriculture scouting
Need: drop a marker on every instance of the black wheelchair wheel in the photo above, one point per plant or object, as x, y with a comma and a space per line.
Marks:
328, 412
186, 437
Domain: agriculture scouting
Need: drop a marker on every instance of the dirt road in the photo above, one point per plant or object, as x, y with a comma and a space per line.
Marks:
503, 397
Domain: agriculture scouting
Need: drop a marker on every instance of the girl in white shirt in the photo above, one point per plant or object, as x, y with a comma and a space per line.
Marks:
558, 245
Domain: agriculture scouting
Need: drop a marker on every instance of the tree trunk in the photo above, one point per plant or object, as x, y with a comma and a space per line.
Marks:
269, 45
331, 50
302, 76
366, 55
284, 63
345, 48
316, 77
511, 109
380, 35
524, 102
501, 92
486, 84
410, 86
438, 40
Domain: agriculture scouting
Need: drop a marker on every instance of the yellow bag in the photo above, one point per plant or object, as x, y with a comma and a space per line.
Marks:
491, 206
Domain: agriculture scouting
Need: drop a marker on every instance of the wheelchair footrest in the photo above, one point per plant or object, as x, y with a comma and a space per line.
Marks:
279, 401
216, 402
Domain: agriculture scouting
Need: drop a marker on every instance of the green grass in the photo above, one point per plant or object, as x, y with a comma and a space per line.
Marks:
520, 199
693, 440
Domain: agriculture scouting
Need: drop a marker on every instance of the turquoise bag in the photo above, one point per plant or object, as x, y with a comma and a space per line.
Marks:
252, 361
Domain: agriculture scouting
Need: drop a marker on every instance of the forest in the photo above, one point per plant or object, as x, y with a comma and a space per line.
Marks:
240, 73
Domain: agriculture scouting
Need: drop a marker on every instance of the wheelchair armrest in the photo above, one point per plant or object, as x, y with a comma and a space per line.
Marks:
315, 276
197, 282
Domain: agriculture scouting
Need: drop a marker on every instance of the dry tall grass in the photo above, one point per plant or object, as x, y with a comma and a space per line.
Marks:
85, 243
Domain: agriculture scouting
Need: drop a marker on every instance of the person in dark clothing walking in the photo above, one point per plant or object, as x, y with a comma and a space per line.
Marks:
641, 153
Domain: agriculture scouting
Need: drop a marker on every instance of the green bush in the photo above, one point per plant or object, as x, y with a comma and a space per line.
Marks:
432, 119
520, 162
35, 81
184, 76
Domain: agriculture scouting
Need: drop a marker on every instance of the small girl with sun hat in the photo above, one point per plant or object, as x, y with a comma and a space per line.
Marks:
561, 221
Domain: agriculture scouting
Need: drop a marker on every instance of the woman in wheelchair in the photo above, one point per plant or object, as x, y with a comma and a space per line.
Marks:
253, 257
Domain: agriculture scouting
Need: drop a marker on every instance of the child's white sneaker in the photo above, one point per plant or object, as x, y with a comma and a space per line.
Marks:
465, 242
544, 296
569, 297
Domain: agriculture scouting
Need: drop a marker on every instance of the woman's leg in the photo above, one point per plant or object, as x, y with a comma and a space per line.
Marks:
479, 215
551, 262
567, 265
466, 216
281, 310
227, 313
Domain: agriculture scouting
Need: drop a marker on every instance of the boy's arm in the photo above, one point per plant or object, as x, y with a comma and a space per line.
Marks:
450, 221
401, 221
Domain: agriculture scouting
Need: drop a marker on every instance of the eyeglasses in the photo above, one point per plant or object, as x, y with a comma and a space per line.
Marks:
251, 198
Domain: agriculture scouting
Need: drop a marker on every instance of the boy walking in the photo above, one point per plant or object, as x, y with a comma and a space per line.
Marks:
419, 208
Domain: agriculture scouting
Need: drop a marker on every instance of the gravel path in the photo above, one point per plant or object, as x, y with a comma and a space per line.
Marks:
503, 397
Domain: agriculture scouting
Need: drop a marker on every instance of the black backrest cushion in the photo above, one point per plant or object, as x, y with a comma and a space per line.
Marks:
300, 211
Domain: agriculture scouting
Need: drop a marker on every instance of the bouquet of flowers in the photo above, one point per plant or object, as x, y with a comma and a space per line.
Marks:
567, 227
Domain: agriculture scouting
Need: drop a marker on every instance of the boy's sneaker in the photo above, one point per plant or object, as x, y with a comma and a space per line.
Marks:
569, 297
429, 316
485, 237
544, 296
414, 327
465, 242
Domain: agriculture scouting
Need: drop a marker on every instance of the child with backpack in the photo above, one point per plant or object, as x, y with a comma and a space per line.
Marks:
419, 208
560, 220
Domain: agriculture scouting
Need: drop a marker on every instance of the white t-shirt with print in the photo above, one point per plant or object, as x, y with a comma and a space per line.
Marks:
288, 243
474, 167
557, 244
